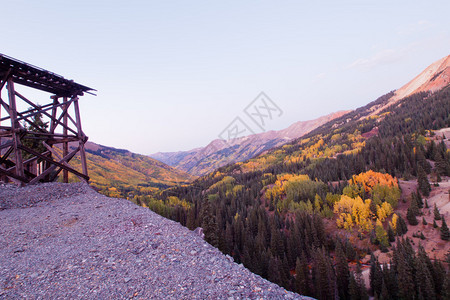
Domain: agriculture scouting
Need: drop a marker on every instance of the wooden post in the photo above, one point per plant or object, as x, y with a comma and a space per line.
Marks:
15, 126
66, 143
53, 124
81, 136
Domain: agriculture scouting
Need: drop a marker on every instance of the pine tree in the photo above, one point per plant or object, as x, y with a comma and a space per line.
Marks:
375, 275
422, 180
401, 226
424, 222
324, 276
391, 234
29, 142
384, 292
357, 288
342, 272
209, 224
191, 220
437, 214
302, 278
445, 234
418, 198
411, 217
445, 293
441, 165
274, 270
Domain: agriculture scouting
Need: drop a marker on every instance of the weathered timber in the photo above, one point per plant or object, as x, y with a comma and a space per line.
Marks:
32, 136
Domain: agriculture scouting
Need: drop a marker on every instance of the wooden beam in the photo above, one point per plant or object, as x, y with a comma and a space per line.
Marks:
82, 137
65, 144
7, 154
5, 79
13, 175
66, 162
51, 161
6, 145
44, 111
53, 167
54, 108
15, 126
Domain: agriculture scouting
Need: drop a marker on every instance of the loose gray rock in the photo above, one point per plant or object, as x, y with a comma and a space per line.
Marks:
63, 241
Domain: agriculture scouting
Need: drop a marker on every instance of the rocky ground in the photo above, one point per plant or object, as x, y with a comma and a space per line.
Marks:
67, 241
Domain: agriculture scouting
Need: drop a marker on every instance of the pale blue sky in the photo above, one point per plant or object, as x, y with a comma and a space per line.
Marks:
171, 75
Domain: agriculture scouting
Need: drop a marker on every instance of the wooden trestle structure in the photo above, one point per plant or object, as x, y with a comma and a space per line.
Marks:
21, 125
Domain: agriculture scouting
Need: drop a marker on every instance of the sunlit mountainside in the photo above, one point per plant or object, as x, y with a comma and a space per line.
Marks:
121, 173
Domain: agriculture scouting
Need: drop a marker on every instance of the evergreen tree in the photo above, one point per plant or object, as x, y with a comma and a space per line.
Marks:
274, 270
437, 214
28, 141
418, 198
424, 222
445, 293
445, 234
209, 224
302, 278
442, 166
324, 276
191, 220
422, 180
411, 217
342, 272
384, 292
357, 288
401, 226
391, 234
424, 279
375, 275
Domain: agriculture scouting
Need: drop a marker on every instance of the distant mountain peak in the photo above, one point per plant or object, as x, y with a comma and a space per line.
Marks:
433, 78
218, 153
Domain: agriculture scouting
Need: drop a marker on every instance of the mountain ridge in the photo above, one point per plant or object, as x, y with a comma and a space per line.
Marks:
217, 153
433, 78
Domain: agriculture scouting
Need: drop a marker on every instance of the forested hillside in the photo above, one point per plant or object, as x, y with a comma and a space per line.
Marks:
121, 173
305, 215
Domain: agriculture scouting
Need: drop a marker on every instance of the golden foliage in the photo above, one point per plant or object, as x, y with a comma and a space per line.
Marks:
393, 223
353, 211
370, 178
384, 211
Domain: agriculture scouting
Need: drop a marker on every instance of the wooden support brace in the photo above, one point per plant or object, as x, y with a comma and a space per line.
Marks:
50, 161
53, 167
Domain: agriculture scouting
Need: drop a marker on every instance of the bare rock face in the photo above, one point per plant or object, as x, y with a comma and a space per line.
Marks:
435, 77
67, 241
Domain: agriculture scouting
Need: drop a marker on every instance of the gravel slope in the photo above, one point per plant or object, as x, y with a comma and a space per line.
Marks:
67, 241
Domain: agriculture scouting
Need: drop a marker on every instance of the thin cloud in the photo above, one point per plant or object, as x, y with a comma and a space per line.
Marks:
413, 28
383, 57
